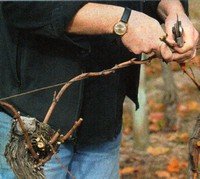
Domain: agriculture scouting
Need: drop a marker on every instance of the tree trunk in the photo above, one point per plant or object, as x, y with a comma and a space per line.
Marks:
194, 149
170, 98
140, 122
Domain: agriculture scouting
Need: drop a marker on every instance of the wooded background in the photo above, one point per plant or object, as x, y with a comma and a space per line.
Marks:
151, 146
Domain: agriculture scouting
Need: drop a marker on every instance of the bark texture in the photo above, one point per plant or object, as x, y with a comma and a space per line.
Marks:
170, 98
17, 154
194, 149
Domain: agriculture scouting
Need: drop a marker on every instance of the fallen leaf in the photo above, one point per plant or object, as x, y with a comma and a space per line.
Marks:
155, 106
127, 130
184, 165
154, 128
193, 106
155, 151
128, 170
154, 117
175, 137
172, 137
162, 174
182, 108
156, 121
173, 166
184, 137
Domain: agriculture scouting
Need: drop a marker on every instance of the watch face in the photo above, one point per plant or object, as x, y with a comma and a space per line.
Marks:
120, 28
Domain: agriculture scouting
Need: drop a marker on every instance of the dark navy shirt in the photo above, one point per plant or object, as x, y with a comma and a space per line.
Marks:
36, 51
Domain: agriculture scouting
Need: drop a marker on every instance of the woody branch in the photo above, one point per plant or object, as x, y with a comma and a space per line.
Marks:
83, 76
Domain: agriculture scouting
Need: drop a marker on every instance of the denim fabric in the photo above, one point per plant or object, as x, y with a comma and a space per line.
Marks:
57, 167
88, 162
99, 161
5, 125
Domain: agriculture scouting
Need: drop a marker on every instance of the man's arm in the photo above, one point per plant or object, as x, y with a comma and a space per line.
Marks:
92, 18
95, 18
46, 18
143, 31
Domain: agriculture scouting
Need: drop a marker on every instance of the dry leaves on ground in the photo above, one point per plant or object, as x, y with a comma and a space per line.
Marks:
175, 165
162, 174
155, 106
156, 120
178, 137
128, 170
155, 151
187, 107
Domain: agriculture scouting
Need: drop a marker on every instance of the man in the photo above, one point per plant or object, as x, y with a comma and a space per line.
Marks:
45, 43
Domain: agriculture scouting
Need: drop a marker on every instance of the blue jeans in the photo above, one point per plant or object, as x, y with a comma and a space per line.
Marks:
5, 125
86, 162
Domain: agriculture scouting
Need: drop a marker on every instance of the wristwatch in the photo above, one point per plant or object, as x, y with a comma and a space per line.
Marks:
120, 28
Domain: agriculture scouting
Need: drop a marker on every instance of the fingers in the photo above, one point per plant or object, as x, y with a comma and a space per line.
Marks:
167, 55
188, 45
190, 38
183, 57
187, 52
194, 54
165, 52
170, 36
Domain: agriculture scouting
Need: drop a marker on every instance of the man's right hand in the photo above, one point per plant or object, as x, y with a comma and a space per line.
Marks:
144, 32
143, 36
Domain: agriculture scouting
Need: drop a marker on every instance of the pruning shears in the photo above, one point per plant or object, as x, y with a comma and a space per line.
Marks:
194, 142
177, 31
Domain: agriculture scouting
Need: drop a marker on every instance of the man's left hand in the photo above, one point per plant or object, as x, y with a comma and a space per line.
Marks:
190, 37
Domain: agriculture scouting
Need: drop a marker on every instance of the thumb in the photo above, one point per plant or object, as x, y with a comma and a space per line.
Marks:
165, 52
170, 35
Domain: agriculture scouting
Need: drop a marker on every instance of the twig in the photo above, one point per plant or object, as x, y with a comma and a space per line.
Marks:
58, 138
93, 74
63, 83
191, 76
33, 91
43, 161
193, 79
18, 118
55, 137
192, 72
75, 126
164, 39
